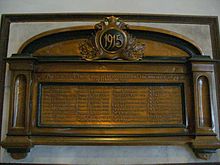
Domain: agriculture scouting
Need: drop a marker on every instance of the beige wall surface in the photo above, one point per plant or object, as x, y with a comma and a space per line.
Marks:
107, 154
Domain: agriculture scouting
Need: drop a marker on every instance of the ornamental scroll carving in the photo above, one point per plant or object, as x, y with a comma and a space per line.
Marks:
111, 41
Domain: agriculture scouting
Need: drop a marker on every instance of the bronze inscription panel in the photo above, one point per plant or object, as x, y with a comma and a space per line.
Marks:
104, 105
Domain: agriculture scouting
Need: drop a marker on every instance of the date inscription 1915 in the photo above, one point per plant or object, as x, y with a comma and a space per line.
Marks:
112, 40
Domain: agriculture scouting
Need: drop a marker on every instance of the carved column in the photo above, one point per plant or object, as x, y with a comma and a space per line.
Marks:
204, 104
206, 141
17, 141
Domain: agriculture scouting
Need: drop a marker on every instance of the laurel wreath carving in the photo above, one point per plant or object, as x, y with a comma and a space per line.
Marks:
134, 50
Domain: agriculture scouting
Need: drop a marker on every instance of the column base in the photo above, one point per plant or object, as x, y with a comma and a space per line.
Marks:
17, 146
204, 147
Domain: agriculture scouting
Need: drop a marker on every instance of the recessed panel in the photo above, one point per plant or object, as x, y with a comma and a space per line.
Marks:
110, 105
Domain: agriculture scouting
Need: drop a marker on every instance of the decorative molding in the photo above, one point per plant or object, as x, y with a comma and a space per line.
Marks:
19, 101
8, 19
111, 41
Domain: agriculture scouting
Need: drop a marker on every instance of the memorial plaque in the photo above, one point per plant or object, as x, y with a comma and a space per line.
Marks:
105, 105
111, 83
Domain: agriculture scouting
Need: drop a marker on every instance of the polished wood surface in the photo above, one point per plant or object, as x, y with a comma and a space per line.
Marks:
69, 101
109, 102
70, 47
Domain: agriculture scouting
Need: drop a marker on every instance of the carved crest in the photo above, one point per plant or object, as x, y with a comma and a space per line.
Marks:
111, 41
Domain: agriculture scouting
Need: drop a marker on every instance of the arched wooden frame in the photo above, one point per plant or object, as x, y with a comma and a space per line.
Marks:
65, 42
203, 141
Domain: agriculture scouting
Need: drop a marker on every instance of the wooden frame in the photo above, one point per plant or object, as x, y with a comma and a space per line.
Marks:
7, 19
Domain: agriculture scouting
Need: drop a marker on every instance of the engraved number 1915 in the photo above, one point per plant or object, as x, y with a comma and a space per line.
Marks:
113, 41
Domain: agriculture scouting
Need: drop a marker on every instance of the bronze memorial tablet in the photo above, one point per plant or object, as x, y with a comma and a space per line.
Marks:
104, 85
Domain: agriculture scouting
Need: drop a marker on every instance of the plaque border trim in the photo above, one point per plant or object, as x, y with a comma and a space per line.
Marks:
7, 19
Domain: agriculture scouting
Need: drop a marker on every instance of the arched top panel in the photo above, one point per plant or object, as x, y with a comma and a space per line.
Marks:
66, 41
